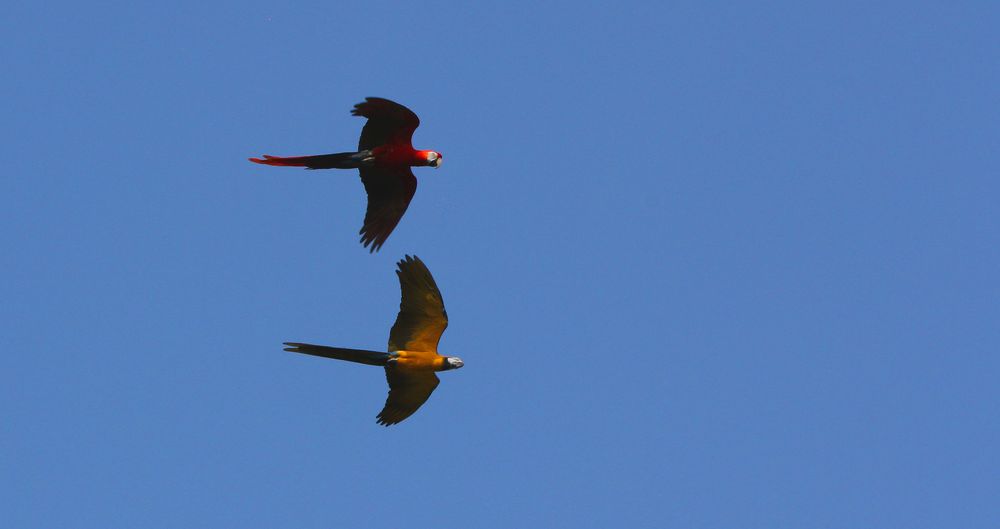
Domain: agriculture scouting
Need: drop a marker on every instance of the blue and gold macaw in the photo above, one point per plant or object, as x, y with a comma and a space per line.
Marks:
412, 358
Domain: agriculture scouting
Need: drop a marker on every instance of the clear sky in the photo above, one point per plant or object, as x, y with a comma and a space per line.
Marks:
709, 264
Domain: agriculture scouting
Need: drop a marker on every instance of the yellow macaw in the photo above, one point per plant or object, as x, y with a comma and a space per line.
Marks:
412, 358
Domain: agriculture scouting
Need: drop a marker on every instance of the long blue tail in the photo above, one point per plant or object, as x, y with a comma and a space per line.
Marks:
372, 358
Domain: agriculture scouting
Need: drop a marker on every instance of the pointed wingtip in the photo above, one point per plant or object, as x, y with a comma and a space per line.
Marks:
371, 243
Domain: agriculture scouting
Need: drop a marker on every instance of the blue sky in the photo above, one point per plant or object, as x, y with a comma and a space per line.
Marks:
710, 265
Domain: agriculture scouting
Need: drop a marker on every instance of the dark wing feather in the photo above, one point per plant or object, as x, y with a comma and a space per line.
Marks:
422, 318
407, 392
388, 122
390, 190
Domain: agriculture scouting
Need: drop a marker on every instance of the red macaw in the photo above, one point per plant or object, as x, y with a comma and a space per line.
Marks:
385, 155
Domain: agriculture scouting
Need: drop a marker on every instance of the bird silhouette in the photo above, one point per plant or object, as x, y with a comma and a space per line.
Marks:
384, 157
412, 359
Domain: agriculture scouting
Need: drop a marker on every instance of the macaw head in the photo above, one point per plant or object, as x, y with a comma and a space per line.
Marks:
452, 362
434, 160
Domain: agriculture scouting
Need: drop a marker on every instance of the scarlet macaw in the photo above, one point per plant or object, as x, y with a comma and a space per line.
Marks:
385, 155
412, 358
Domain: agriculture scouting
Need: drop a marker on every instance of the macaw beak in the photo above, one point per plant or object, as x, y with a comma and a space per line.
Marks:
436, 163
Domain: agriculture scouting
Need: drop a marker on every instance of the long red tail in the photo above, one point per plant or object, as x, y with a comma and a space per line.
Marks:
340, 160
294, 161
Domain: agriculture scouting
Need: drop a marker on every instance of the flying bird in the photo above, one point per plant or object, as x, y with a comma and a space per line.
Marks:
412, 359
384, 157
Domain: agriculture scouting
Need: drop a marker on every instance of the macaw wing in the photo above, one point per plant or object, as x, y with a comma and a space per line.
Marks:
388, 122
422, 318
407, 392
389, 193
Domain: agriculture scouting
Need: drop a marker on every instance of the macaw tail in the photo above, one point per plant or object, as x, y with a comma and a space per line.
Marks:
340, 160
372, 358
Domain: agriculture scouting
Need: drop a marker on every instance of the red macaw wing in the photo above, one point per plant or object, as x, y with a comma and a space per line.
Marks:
407, 392
422, 319
390, 190
388, 122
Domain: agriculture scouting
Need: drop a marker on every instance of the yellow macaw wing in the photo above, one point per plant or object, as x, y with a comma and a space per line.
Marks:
422, 318
407, 392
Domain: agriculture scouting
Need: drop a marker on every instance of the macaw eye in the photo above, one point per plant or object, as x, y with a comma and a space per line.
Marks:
431, 156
